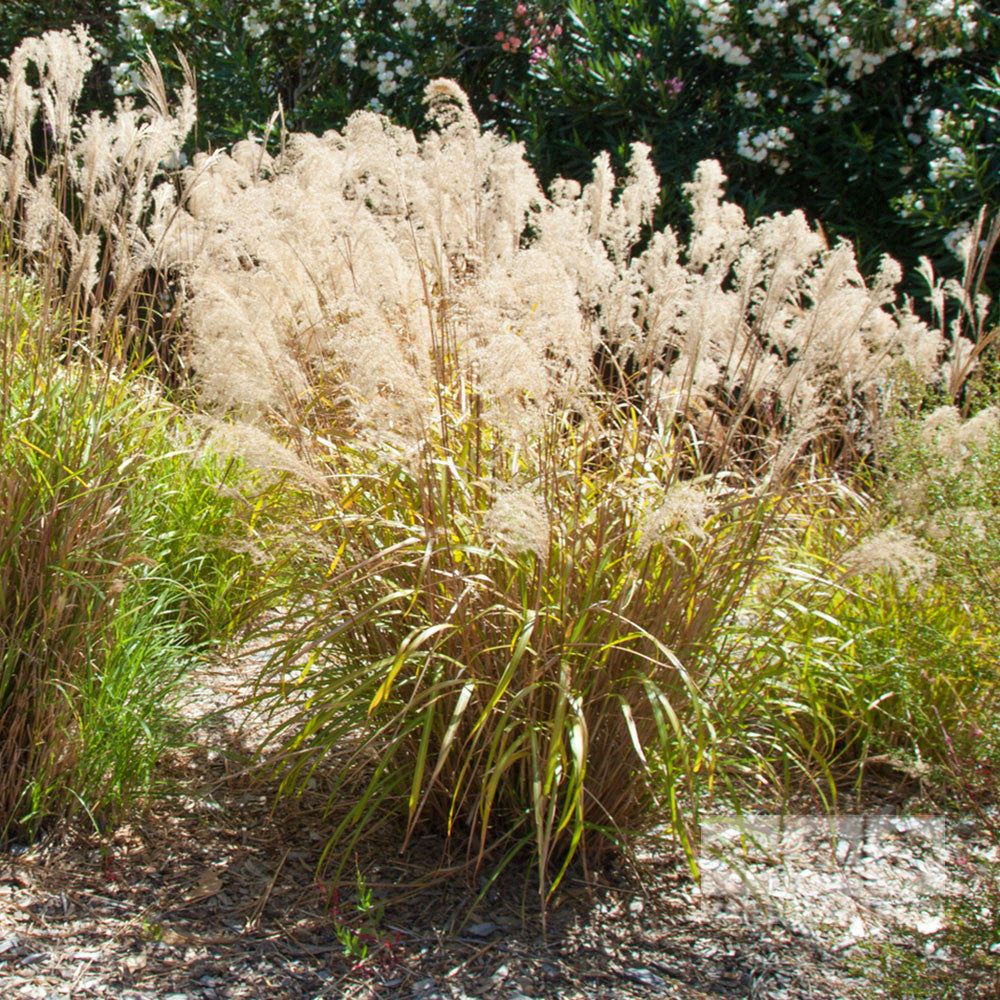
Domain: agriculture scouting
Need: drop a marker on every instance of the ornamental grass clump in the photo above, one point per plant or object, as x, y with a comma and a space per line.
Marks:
122, 555
330, 271
71, 448
515, 626
884, 648
511, 647
84, 203
336, 269
887, 671
123, 547
64, 538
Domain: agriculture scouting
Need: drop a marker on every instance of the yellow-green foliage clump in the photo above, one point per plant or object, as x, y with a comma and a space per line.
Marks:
119, 550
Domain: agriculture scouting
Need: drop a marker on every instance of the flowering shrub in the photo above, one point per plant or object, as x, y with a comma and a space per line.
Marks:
879, 119
322, 61
873, 117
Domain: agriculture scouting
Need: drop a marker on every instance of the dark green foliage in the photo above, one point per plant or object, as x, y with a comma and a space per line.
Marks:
611, 80
572, 79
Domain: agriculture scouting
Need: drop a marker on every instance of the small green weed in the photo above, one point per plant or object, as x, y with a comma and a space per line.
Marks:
151, 930
359, 933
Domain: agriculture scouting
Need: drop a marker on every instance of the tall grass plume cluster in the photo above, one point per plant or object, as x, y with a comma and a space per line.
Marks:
578, 544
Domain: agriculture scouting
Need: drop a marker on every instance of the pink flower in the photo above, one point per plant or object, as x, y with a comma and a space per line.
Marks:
538, 53
521, 9
674, 85
499, 36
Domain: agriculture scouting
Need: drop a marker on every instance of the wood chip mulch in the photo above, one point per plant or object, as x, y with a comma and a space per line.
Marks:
214, 894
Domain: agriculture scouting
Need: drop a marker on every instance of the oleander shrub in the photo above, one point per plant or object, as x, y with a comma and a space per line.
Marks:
879, 119
320, 61
869, 116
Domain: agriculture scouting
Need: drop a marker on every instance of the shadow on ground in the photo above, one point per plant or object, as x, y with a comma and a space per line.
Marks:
213, 893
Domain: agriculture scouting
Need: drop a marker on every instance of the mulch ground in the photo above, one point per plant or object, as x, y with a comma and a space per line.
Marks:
214, 894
